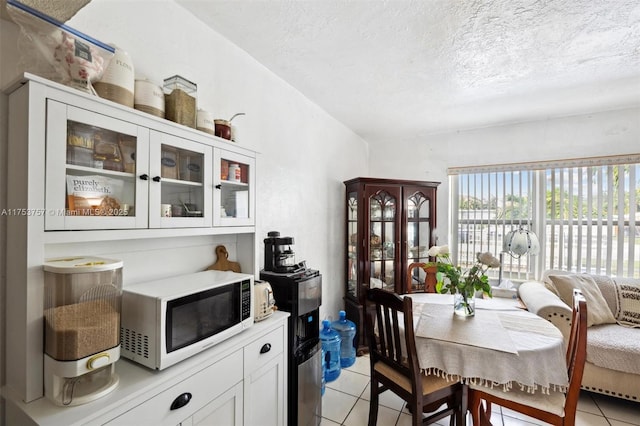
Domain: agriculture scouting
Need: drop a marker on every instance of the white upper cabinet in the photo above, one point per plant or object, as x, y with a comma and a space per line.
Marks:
110, 168
234, 194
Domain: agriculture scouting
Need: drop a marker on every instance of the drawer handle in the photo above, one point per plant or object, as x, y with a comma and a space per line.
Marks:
265, 348
181, 401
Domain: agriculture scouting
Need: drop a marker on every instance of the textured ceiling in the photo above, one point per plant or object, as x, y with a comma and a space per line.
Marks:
404, 69
60, 10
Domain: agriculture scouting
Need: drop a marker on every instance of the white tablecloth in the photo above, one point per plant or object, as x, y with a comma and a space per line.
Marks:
507, 346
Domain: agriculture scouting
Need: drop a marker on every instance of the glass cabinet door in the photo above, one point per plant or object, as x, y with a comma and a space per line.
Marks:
352, 245
91, 171
418, 231
180, 182
383, 237
233, 199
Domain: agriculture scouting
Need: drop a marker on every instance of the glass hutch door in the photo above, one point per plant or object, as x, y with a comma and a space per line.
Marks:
180, 187
91, 167
234, 182
383, 238
353, 248
420, 217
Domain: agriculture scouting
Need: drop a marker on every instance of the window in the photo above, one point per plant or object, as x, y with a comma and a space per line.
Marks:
586, 214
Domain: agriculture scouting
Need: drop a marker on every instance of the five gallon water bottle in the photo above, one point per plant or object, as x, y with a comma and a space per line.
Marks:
331, 345
347, 331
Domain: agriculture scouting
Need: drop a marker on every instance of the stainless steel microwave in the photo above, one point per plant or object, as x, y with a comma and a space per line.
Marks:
169, 320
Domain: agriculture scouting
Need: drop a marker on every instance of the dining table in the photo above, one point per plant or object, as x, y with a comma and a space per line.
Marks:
503, 344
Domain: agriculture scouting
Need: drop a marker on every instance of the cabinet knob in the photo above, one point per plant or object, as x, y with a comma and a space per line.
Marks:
265, 348
181, 401
156, 178
218, 186
144, 177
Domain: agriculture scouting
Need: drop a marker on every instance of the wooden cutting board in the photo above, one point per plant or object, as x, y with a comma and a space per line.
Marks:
223, 263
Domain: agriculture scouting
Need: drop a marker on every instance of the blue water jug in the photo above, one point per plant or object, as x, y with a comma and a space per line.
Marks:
347, 331
331, 345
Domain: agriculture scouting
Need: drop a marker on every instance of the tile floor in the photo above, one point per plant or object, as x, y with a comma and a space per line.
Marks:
346, 402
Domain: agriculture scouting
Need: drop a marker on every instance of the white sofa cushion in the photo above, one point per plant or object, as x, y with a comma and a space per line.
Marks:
614, 347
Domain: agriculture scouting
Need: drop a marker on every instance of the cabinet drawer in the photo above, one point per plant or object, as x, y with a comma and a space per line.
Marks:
204, 386
270, 345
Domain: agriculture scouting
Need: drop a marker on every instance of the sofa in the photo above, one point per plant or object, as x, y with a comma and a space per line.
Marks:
613, 334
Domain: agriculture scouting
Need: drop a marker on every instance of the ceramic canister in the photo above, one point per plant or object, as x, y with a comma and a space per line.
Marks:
149, 97
118, 81
204, 122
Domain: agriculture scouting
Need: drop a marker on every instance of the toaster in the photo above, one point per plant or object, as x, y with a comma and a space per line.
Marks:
264, 303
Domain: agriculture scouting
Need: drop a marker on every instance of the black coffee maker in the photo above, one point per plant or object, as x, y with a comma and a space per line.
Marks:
278, 256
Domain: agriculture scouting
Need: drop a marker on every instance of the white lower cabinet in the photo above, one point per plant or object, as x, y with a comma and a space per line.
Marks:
264, 395
247, 387
185, 398
264, 381
224, 410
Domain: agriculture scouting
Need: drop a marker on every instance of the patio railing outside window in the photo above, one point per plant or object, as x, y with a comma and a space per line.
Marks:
586, 214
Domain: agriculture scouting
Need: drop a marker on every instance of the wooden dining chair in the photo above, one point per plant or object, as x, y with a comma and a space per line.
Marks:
430, 280
394, 364
556, 408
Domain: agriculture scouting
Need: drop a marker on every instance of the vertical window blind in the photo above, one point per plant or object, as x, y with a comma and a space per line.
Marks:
585, 212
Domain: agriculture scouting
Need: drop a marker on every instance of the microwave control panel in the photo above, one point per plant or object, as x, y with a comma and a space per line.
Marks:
246, 299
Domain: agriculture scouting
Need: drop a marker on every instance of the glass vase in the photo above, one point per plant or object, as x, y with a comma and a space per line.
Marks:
464, 304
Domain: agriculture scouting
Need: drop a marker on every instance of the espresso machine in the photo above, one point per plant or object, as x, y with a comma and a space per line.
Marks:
298, 290
278, 256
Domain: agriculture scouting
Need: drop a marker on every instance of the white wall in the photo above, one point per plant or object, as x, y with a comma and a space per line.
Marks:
304, 154
589, 135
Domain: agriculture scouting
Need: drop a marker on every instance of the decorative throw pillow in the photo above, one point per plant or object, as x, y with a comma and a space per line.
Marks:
628, 304
598, 311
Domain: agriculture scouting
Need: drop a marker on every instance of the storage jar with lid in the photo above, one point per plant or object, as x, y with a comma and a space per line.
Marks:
223, 128
235, 173
180, 97
204, 122
82, 307
118, 81
149, 97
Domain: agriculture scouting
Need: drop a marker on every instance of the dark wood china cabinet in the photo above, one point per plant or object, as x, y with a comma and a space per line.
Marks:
389, 225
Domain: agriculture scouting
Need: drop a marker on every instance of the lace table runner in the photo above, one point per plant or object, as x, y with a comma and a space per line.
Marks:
484, 330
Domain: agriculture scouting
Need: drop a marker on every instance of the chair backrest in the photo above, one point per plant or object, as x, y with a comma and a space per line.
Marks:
430, 280
391, 345
576, 351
